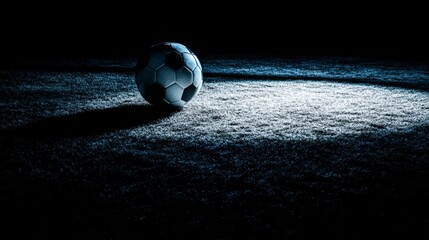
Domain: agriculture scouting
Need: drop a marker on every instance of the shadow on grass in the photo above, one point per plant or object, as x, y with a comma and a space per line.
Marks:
93, 122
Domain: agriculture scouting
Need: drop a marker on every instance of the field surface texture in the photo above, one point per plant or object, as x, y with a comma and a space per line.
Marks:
271, 148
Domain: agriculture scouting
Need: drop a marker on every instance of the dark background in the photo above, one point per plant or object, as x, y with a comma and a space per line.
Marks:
97, 30
60, 181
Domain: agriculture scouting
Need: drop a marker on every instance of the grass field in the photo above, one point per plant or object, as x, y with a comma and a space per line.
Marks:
271, 148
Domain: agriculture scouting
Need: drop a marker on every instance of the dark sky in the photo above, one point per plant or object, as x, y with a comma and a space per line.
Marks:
126, 30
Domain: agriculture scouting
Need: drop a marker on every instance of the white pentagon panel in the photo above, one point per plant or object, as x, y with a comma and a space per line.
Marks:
180, 48
173, 93
184, 77
156, 60
189, 61
166, 76
198, 77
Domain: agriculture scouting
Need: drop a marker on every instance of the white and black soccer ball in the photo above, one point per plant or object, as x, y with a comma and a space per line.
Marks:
170, 74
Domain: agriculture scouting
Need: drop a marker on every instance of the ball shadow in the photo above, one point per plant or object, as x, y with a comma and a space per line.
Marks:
93, 122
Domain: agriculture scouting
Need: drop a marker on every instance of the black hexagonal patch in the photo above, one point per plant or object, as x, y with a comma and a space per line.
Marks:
154, 93
174, 60
189, 93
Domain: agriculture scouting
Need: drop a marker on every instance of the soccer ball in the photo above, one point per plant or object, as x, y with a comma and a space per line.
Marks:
170, 74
